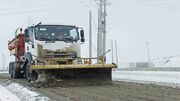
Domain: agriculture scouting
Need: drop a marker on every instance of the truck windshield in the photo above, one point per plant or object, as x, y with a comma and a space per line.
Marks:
56, 33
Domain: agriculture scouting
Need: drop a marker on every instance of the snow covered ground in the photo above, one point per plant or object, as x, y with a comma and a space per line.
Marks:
25, 94
155, 77
16, 92
5, 71
172, 61
5, 95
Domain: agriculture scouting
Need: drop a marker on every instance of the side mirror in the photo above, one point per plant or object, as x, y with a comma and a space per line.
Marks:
32, 45
82, 36
82, 39
26, 35
82, 33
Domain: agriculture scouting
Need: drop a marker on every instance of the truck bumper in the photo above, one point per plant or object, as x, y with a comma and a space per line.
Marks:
77, 66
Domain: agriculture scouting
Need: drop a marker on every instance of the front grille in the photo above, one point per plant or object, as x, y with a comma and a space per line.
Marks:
60, 54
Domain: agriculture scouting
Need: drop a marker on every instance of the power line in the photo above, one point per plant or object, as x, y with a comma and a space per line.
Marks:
145, 0
47, 5
35, 10
149, 2
165, 2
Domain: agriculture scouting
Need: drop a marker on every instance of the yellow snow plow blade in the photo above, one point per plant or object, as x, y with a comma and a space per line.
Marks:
76, 66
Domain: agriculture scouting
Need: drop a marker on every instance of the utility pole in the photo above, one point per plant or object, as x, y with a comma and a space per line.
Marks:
90, 35
112, 50
101, 36
5, 68
116, 48
148, 54
2, 61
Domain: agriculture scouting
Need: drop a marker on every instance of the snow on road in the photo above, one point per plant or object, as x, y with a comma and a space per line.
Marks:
156, 77
25, 94
16, 92
5, 95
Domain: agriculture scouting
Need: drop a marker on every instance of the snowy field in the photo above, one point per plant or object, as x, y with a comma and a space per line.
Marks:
167, 78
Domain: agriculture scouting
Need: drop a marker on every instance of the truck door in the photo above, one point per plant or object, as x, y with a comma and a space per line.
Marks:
29, 45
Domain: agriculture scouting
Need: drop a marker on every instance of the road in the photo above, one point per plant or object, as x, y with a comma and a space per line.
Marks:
118, 91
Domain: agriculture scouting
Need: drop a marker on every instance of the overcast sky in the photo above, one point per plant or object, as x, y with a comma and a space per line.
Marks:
131, 22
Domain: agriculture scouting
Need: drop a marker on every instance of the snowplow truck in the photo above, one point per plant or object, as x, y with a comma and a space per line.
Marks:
53, 52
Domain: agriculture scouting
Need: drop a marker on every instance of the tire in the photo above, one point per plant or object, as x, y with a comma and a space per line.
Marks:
29, 60
21, 75
10, 68
27, 73
11, 73
30, 76
15, 73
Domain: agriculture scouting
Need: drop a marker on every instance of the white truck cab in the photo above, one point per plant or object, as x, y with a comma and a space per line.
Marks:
53, 41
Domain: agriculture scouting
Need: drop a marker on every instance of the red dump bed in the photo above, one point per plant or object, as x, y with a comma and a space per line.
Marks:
18, 42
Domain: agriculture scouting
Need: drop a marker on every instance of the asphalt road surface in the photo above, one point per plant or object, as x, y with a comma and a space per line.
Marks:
118, 91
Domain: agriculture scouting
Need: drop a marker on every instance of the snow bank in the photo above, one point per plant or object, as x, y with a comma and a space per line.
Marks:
5, 95
3, 71
155, 77
24, 94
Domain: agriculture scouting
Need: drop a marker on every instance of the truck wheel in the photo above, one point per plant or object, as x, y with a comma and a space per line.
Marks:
11, 72
27, 73
14, 73
10, 69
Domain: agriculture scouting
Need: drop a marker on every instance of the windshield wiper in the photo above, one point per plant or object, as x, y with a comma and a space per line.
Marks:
45, 39
68, 39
